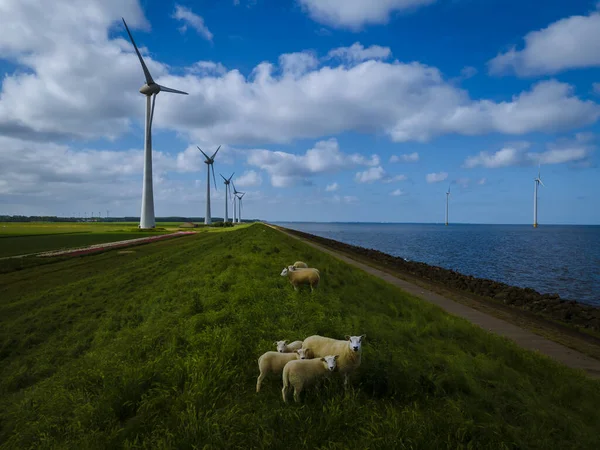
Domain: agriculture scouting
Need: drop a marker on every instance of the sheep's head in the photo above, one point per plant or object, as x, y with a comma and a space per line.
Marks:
284, 272
355, 342
281, 346
304, 353
330, 361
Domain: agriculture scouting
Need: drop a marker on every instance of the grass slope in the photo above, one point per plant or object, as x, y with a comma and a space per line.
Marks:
159, 349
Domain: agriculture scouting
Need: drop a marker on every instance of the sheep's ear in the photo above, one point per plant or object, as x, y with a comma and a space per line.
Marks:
322, 359
336, 356
362, 338
347, 337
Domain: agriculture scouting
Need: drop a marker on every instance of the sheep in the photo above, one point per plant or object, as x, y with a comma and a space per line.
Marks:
300, 264
300, 374
298, 277
274, 362
284, 347
350, 352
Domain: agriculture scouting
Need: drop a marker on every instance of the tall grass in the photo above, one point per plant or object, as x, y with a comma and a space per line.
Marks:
159, 349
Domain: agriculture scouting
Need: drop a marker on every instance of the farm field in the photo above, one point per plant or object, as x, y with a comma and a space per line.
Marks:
158, 348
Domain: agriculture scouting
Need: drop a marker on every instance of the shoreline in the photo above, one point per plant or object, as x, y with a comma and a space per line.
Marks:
579, 317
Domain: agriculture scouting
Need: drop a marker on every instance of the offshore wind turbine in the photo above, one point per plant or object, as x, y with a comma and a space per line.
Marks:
447, 197
537, 181
227, 190
209, 161
150, 90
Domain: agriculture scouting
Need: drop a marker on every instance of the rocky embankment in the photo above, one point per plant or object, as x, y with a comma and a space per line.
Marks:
546, 305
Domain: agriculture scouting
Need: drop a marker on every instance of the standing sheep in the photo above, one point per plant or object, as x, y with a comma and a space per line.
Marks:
274, 362
299, 277
350, 351
284, 347
300, 374
300, 264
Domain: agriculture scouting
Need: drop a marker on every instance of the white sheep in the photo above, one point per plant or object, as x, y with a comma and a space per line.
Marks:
350, 352
300, 374
284, 347
274, 362
300, 264
299, 277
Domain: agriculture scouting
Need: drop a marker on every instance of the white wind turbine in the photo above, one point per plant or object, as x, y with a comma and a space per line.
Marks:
537, 181
240, 207
150, 90
209, 161
235, 197
447, 197
227, 191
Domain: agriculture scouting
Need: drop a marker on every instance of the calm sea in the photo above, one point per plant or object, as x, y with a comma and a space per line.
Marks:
560, 259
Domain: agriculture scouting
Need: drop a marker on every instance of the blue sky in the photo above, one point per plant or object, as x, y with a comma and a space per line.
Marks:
330, 110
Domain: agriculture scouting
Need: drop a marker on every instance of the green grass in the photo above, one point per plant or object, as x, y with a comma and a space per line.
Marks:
159, 348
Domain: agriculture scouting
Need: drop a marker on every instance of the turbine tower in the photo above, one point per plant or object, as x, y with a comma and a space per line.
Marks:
240, 206
235, 193
447, 197
209, 161
150, 90
227, 190
537, 181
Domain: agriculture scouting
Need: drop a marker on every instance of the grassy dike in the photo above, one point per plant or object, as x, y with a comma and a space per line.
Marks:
158, 349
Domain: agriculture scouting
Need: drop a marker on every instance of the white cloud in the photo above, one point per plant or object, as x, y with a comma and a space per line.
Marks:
249, 179
481, 181
407, 157
343, 199
569, 43
332, 187
354, 14
297, 64
370, 175
394, 179
287, 169
436, 177
357, 53
397, 193
192, 20
567, 150
207, 68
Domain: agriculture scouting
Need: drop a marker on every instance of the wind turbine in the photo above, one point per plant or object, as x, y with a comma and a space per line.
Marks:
240, 208
235, 193
537, 181
227, 190
150, 90
447, 197
209, 161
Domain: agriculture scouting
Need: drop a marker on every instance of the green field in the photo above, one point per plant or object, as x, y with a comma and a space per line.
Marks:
158, 349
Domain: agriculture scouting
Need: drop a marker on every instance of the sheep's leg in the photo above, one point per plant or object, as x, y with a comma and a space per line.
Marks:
261, 377
295, 288
297, 395
284, 393
346, 377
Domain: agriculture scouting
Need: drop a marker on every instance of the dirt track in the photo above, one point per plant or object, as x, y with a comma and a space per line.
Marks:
522, 337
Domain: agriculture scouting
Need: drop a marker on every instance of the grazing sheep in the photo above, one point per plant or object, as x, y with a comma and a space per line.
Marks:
284, 347
299, 277
274, 362
300, 264
350, 351
300, 374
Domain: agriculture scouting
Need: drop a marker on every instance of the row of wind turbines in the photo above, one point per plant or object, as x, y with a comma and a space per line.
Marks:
537, 181
147, 218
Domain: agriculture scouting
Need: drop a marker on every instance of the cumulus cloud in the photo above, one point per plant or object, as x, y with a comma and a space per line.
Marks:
436, 177
407, 157
249, 179
354, 14
569, 43
332, 187
397, 192
192, 20
370, 175
207, 68
297, 64
567, 150
393, 179
288, 169
357, 53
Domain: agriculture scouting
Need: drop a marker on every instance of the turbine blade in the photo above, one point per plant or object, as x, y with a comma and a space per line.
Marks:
152, 110
541, 182
223, 177
149, 79
213, 171
203, 152
213, 156
174, 91
231, 176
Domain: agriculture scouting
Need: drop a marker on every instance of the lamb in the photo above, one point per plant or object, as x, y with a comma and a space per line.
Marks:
300, 374
299, 277
274, 362
284, 347
300, 264
350, 352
